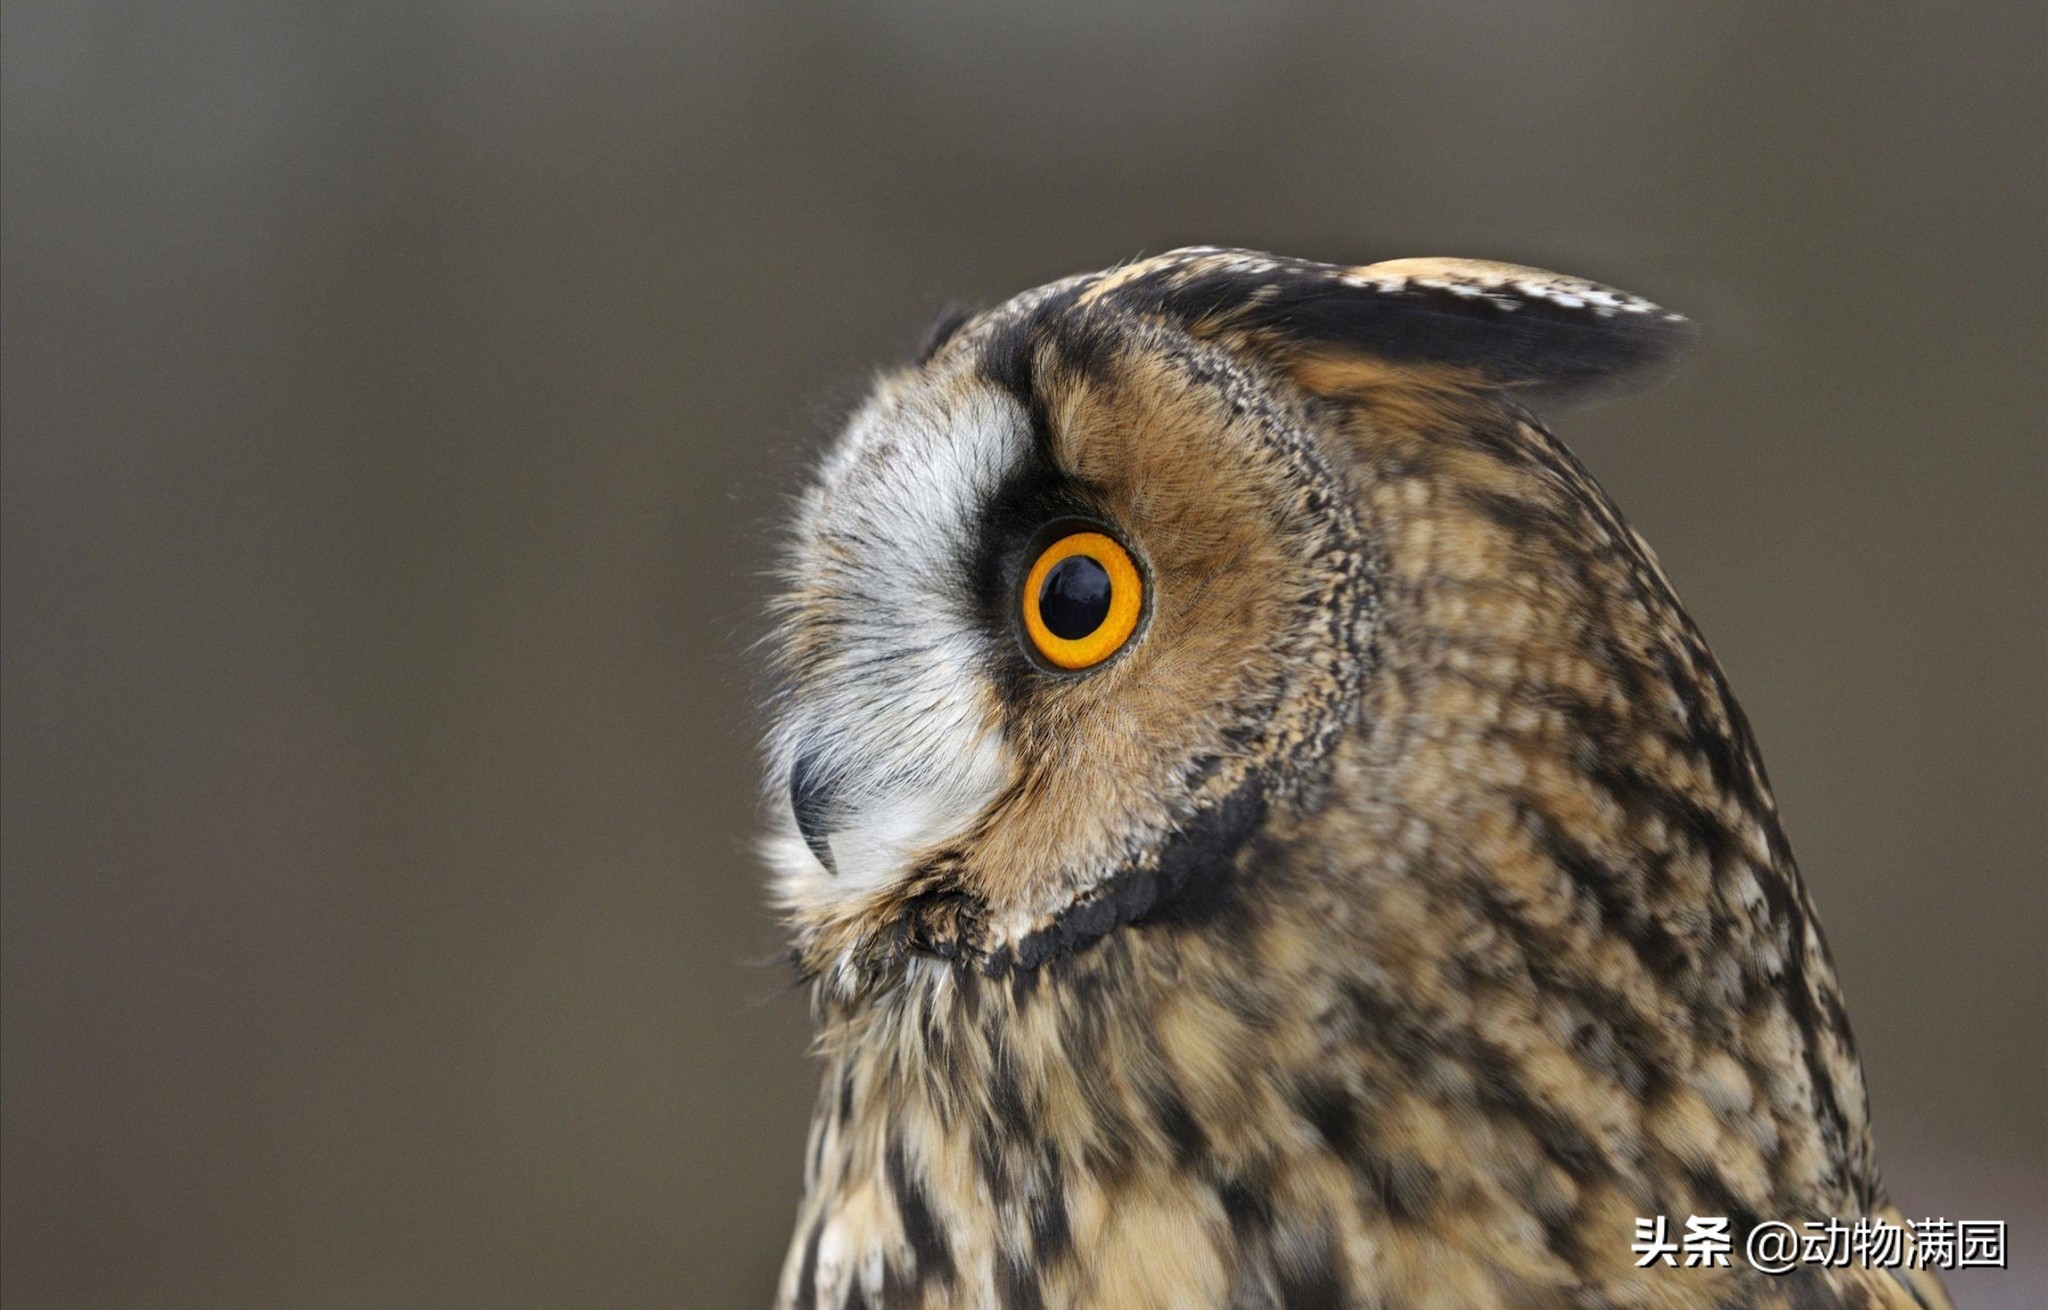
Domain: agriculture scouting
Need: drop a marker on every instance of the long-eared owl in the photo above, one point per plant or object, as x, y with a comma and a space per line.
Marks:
1260, 830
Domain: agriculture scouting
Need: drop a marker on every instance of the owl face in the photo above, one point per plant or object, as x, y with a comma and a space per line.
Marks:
1045, 612
1078, 601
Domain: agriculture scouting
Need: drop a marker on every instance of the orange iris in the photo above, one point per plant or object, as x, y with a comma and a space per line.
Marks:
1082, 600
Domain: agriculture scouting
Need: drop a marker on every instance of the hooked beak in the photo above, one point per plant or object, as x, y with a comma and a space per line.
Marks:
810, 796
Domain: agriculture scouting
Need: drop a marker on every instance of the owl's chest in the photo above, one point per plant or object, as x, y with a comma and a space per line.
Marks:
907, 1210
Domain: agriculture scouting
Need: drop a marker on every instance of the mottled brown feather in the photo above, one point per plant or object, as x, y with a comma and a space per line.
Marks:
1503, 945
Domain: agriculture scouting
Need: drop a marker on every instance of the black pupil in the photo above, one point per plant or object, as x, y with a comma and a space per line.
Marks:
1075, 598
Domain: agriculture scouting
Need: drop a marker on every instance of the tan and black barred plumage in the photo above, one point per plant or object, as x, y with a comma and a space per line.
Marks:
1398, 916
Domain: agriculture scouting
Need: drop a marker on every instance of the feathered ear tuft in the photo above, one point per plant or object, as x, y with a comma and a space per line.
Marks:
1439, 324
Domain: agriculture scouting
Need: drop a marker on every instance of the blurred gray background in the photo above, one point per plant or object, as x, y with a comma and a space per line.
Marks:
398, 399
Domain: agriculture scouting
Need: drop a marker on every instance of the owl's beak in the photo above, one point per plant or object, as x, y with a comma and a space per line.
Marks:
810, 797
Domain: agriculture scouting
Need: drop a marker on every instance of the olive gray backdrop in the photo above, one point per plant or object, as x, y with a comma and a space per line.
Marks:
398, 398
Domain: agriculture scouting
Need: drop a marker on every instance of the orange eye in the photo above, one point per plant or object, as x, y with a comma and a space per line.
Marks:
1081, 600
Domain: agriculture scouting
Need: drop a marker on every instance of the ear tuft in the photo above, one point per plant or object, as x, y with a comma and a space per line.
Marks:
1427, 323
945, 325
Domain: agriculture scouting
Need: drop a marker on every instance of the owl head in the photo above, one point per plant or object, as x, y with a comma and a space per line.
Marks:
1078, 603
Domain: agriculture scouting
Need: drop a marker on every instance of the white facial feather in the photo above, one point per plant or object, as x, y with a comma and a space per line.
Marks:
895, 708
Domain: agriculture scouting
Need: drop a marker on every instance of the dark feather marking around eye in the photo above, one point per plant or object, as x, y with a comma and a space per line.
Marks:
1010, 360
1079, 345
1009, 529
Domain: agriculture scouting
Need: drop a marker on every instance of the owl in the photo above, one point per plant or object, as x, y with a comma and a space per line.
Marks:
1259, 829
